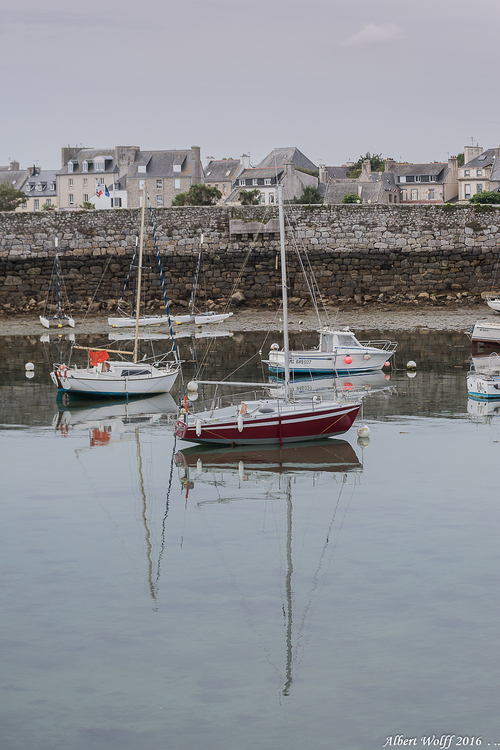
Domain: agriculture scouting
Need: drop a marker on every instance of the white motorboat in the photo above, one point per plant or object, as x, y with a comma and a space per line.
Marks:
486, 331
119, 378
483, 380
339, 352
255, 421
60, 319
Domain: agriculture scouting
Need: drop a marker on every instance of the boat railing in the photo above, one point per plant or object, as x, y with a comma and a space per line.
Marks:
385, 345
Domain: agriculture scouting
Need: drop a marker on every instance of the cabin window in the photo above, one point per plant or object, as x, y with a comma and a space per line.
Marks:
346, 340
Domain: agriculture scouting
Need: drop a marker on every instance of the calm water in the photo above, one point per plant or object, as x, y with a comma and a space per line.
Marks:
160, 596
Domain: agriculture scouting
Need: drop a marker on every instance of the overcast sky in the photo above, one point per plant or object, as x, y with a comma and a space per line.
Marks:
414, 80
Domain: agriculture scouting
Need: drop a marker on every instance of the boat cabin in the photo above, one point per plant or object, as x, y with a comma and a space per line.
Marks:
329, 341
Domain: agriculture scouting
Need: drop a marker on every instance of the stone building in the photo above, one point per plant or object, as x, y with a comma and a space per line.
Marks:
40, 189
221, 173
166, 174
478, 174
96, 176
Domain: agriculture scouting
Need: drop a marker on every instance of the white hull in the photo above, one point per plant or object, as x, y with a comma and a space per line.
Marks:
180, 319
122, 379
487, 331
313, 361
483, 386
145, 320
208, 317
494, 303
61, 322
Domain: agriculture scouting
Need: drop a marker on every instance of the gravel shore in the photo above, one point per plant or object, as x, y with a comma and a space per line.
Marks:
374, 317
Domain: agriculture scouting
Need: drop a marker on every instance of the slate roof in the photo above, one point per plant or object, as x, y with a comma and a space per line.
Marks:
89, 155
222, 170
408, 170
161, 164
39, 185
495, 172
337, 173
483, 160
256, 172
374, 191
16, 178
280, 156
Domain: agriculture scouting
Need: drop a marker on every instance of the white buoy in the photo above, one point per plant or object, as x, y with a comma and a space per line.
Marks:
29, 374
29, 366
411, 365
363, 431
240, 422
411, 374
363, 442
192, 385
192, 396
198, 427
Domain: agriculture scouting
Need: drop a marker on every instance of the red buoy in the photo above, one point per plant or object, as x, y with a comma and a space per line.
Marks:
348, 360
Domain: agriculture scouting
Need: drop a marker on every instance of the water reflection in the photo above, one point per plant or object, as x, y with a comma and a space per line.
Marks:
281, 476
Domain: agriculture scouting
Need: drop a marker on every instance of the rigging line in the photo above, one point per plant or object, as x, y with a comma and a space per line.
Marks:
132, 265
174, 349
233, 289
97, 288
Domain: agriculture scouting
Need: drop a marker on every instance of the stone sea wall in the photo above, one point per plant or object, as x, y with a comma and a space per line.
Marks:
358, 253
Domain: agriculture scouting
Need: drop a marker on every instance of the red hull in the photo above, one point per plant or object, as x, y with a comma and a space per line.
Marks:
276, 429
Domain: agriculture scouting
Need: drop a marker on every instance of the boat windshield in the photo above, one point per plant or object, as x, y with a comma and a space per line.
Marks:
347, 340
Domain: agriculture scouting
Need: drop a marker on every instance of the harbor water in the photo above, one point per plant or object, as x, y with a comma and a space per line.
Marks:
160, 595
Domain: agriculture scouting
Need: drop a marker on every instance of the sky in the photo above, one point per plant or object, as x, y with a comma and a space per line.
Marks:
415, 81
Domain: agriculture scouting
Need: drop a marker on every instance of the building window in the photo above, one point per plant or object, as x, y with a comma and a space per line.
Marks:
116, 202
262, 197
479, 188
267, 181
177, 167
431, 195
479, 172
70, 199
159, 184
404, 195
99, 165
85, 182
101, 180
70, 166
85, 166
116, 186
467, 192
271, 198
414, 195
467, 173
255, 181
242, 183
177, 184
70, 182
159, 201
85, 197
25, 204
141, 184
48, 202
37, 204
52, 185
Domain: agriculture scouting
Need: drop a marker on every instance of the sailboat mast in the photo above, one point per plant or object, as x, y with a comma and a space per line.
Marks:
139, 274
59, 307
286, 347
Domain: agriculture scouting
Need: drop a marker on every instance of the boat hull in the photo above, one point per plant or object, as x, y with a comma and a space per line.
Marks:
61, 322
204, 318
487, 332
306, 363
484, 387
292, 423
494, 303
146, 320
88, 382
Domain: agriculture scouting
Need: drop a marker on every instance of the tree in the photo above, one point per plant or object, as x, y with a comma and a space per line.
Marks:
10, 198
249, 197
489, 196
198, 195
376, 161
309, 195
351, 198
460, 159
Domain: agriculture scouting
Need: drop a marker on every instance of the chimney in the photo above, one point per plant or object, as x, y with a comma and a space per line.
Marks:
389, 163
14, 166
470, 153
245, 161
208, 159
67, 153
366, 170
453, 164
323, 174
197, 168
497, 153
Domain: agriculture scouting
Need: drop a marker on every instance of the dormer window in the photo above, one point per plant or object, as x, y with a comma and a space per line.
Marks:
70, 166
255, 181
99, 165
52, 185
242, 183
142, 169
39, 186
177, 168
85, 166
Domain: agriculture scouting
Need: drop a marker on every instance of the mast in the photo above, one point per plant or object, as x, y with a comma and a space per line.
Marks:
284, 292
59, 308
139, 273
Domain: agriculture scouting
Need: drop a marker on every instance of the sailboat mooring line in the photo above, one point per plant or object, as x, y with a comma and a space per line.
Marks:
174, 348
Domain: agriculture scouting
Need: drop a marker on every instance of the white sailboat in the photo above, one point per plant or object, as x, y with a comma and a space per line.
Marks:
60, 319
120, 378
268, 420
